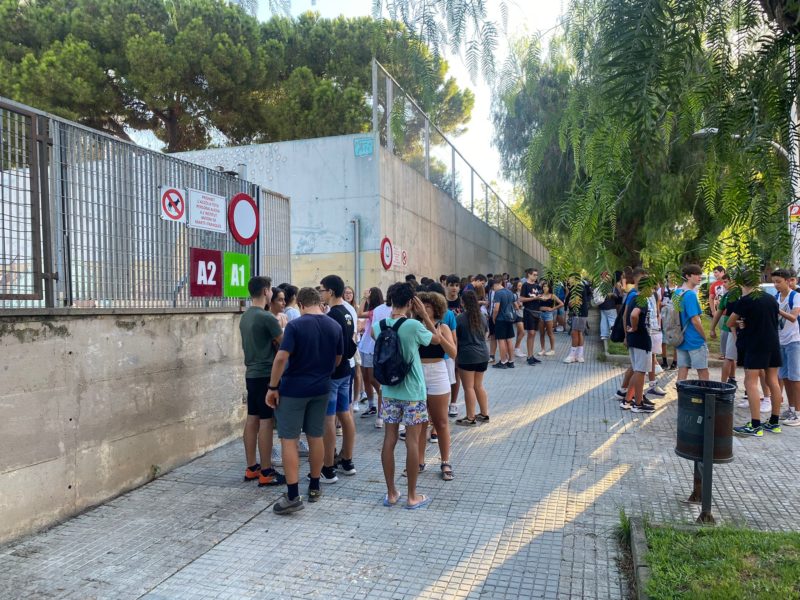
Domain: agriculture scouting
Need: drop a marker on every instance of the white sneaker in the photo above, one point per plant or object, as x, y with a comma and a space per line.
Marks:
363, 397
570, 359
540, 353
550, 353
743, 404
766, 405
793, 422
302, 447
788, 414
657, 390
275, 458
356, 407
519, 352
659, 370
378, 423
580, 359
453, 410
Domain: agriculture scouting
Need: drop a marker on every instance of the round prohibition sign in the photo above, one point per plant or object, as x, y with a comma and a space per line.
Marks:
387, 253
173, 204
243, 218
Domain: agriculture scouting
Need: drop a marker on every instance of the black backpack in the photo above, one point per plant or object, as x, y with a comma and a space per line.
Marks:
388, 364
618, 329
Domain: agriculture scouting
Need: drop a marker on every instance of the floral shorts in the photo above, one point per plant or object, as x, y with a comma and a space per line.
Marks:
407, 412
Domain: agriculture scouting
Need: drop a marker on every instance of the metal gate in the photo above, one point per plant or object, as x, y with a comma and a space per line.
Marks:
22, 206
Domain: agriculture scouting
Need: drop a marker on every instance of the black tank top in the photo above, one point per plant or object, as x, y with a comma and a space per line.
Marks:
548, 303
432, 350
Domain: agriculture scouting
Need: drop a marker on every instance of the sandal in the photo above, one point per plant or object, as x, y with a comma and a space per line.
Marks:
447, 471
481, 417
405, 473
466, 422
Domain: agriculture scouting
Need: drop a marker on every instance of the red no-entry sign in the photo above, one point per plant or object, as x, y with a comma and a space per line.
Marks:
243, 218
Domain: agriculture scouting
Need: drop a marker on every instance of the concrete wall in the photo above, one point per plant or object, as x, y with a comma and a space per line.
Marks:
438, 234
328, 186
96, 405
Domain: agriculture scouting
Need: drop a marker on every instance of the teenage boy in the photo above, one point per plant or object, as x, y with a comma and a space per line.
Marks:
716, 289
261, 336
756, 320
693, 352
454, 305
727, 338
639, 344
299, 392
503, 316
331, 291
580, 318
406, 402
789, 337
531, 313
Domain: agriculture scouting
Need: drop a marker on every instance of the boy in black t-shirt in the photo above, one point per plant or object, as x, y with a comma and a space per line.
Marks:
755, 319
531, 313
639, 343
331, 291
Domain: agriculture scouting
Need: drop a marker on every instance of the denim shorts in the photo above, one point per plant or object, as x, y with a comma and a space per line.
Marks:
548, 315
790, 354
693, 359
367, 360
339, 397
407, 412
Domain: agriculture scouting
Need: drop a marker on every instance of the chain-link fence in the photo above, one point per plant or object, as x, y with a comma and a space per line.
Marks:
408, 132
80, 212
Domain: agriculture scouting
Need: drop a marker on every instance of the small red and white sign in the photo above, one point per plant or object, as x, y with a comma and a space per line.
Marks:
404, 258
173, 204
387, 253
243, 218
205, 272
207, 211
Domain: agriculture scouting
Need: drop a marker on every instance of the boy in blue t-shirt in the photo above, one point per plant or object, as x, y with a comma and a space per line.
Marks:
693, 352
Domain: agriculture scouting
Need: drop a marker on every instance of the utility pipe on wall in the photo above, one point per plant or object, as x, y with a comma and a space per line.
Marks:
356, 258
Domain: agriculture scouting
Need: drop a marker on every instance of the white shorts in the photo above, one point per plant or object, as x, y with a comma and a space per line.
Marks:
451, 369
437, 381
657, 339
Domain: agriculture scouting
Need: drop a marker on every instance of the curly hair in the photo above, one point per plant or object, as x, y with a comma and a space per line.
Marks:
436, 301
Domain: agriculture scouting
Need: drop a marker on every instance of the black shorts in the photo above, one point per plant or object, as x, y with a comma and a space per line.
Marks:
517, 319
531, 320
474, 367
504, 330
257, 397
491, 327
760, 358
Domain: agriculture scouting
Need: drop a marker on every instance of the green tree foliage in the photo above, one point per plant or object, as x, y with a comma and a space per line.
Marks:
202, 72
614, 168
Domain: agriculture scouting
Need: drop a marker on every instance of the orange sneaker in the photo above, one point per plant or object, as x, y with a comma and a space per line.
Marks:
270, 477
252, 474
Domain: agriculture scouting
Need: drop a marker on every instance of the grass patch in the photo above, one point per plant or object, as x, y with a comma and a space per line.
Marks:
722, 563
713, 345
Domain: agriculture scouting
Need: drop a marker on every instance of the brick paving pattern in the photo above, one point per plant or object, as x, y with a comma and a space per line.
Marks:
531, 513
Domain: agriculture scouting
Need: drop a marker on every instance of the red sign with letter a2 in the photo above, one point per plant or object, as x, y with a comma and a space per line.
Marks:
205, 272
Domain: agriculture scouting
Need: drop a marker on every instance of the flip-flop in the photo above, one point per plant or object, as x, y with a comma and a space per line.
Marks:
422, 504
390, 504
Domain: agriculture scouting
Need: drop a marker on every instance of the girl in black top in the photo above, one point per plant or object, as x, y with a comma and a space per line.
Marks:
549, 304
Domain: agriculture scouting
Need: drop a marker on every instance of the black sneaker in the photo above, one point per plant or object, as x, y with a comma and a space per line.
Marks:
532, 360
499, 366
664, 364
622, 394
328, 475
347, 467
510, 364
314, 495
284, 506
647, 402
673, 366
371, 411
643, 408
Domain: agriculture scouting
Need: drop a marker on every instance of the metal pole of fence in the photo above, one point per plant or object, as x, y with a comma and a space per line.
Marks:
453, 172
472, 191
375, 97
389, 103
427, 149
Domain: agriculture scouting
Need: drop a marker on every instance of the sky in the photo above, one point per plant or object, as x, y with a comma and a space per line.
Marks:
524, 17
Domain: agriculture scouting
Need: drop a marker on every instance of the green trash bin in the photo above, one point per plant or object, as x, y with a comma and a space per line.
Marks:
692, 396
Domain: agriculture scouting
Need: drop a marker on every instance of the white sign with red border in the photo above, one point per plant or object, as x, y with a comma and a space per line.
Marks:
207, 211
387, 253
243, 218
173, 203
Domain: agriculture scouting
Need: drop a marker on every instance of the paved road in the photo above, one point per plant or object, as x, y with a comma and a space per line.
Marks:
531, 513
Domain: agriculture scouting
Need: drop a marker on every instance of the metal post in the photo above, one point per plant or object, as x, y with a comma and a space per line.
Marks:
389, 103
710, 405
472, 191
486, 192
453, 172
427, 149
357, 256
794, 160
375, 123
43, 143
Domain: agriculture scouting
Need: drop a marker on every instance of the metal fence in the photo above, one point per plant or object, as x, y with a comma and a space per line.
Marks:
408, 132
80, 219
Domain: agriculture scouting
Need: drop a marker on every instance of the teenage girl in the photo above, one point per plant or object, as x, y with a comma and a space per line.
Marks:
372, 300
473, 359
550, 304
518, 319
276, 306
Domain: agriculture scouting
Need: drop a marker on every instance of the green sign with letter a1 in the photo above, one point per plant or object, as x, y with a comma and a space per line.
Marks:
237, 274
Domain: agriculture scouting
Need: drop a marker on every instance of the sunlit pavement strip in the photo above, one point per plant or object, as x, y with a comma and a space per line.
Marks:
531, 513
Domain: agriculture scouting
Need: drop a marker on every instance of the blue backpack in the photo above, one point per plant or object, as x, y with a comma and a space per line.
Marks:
792, 294
389, 366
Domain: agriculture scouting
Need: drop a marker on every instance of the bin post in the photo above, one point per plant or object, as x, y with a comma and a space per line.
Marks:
708, 459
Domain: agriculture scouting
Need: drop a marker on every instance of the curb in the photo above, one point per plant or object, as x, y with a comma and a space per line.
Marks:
641, 570
624, 360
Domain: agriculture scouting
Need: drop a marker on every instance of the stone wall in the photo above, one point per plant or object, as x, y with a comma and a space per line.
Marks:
96, 404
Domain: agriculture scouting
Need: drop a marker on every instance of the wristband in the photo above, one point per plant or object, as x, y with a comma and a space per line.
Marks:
273, 388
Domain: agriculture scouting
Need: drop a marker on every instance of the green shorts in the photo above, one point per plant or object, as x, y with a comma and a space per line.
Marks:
301, 414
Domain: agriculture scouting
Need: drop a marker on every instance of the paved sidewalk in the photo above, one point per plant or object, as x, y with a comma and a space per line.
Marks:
531, 513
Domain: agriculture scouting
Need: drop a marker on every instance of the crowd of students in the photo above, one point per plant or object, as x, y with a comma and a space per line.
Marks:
760, 333
313, 355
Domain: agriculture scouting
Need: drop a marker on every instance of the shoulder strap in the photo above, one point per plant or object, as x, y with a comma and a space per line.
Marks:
397, 324
383, 325
792, 294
